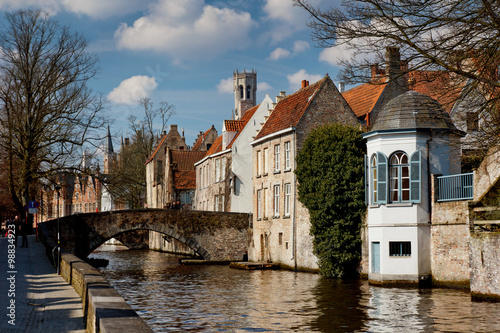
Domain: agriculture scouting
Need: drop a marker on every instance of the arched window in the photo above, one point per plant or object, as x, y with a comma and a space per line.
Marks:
248, 92
399, 171
241, 91
374, 178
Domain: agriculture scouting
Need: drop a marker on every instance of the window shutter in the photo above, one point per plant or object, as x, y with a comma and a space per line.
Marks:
382, 178
367, 172
415, 172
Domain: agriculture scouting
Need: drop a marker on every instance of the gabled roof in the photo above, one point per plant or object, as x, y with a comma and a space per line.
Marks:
362, 99
200, 139
158, 146
290, 109
184, 180
244, 120
185, 160
216, 146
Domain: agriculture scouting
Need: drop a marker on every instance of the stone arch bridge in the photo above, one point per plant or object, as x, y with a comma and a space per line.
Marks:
212, 235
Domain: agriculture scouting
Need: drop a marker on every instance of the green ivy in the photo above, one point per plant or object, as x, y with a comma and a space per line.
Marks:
331, 186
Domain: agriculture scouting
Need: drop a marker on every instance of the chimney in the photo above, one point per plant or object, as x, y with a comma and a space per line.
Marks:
392, 62
281, 96
341, 87
173, 128
305, 83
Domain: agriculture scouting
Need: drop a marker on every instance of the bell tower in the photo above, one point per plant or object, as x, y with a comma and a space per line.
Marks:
245, 90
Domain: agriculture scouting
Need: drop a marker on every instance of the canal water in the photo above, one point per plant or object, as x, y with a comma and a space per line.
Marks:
177, 298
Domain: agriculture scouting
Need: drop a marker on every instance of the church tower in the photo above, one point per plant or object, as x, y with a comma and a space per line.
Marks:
109, 155
245, 90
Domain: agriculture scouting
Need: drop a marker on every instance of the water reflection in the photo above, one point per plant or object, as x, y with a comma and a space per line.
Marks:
176, 298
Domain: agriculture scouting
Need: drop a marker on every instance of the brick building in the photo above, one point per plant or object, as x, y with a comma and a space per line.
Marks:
280, 222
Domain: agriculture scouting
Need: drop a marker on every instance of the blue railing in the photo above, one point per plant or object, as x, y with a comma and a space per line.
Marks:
455, 187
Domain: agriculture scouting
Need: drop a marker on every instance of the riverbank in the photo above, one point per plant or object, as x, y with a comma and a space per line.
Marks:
34, 298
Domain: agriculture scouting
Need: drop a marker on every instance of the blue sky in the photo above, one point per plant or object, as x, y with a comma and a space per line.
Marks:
185, 51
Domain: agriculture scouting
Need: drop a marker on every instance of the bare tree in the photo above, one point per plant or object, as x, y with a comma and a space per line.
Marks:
127, 182
48, 112
457, 40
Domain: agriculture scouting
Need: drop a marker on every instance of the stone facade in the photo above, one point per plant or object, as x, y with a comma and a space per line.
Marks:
156, 167
281, 224
485, 265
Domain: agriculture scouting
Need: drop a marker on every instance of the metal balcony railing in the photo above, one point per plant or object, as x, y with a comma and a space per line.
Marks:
455, 187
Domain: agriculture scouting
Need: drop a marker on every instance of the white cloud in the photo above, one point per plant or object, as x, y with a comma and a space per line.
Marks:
187, 29
333, 54
104, 8
132, 89
94, 8
295, 79
279, 53
263, 86
49, 6
288, 18
225, 85
300, 46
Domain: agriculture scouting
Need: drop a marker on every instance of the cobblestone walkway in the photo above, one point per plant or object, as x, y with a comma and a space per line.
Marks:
32, 295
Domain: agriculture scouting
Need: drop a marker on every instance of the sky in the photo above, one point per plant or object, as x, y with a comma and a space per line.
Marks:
184, 52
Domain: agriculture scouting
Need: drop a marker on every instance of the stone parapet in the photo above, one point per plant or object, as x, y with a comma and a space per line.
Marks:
103, 308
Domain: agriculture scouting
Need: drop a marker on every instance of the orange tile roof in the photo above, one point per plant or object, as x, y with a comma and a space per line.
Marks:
290, 109
184, 180
436, 84
233, 125
156, 150
216, 146
185, 159
200, 139
362, 99
246, 117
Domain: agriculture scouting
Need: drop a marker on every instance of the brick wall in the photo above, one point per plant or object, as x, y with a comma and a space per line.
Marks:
485, 265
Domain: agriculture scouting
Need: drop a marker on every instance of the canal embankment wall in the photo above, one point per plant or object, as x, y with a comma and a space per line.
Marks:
104, 309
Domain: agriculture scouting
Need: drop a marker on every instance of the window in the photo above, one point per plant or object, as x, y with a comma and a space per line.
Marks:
259, 162
217, 170
259, 204
185, 198
223, 169
241, 91
399, 249
399, 172
288, 193
280, 238
472, 121
374, 179
216, 203
248, 92
265, 164
277, 158
287, 155
276, 200
222, 208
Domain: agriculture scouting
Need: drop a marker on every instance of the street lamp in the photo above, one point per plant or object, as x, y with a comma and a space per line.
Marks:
57, 188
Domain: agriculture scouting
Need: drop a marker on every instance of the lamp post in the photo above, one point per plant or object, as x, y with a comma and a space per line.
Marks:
57, 188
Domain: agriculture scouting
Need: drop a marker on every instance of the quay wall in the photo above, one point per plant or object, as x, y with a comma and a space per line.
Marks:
450, 235
104, 309
485, 265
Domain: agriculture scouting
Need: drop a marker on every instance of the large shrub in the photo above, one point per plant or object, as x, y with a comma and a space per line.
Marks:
331, 186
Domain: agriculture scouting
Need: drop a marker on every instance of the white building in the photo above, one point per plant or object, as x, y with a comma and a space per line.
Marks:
412, 139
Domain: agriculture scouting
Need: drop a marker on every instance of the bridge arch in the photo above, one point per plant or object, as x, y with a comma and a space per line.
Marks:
213, 235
